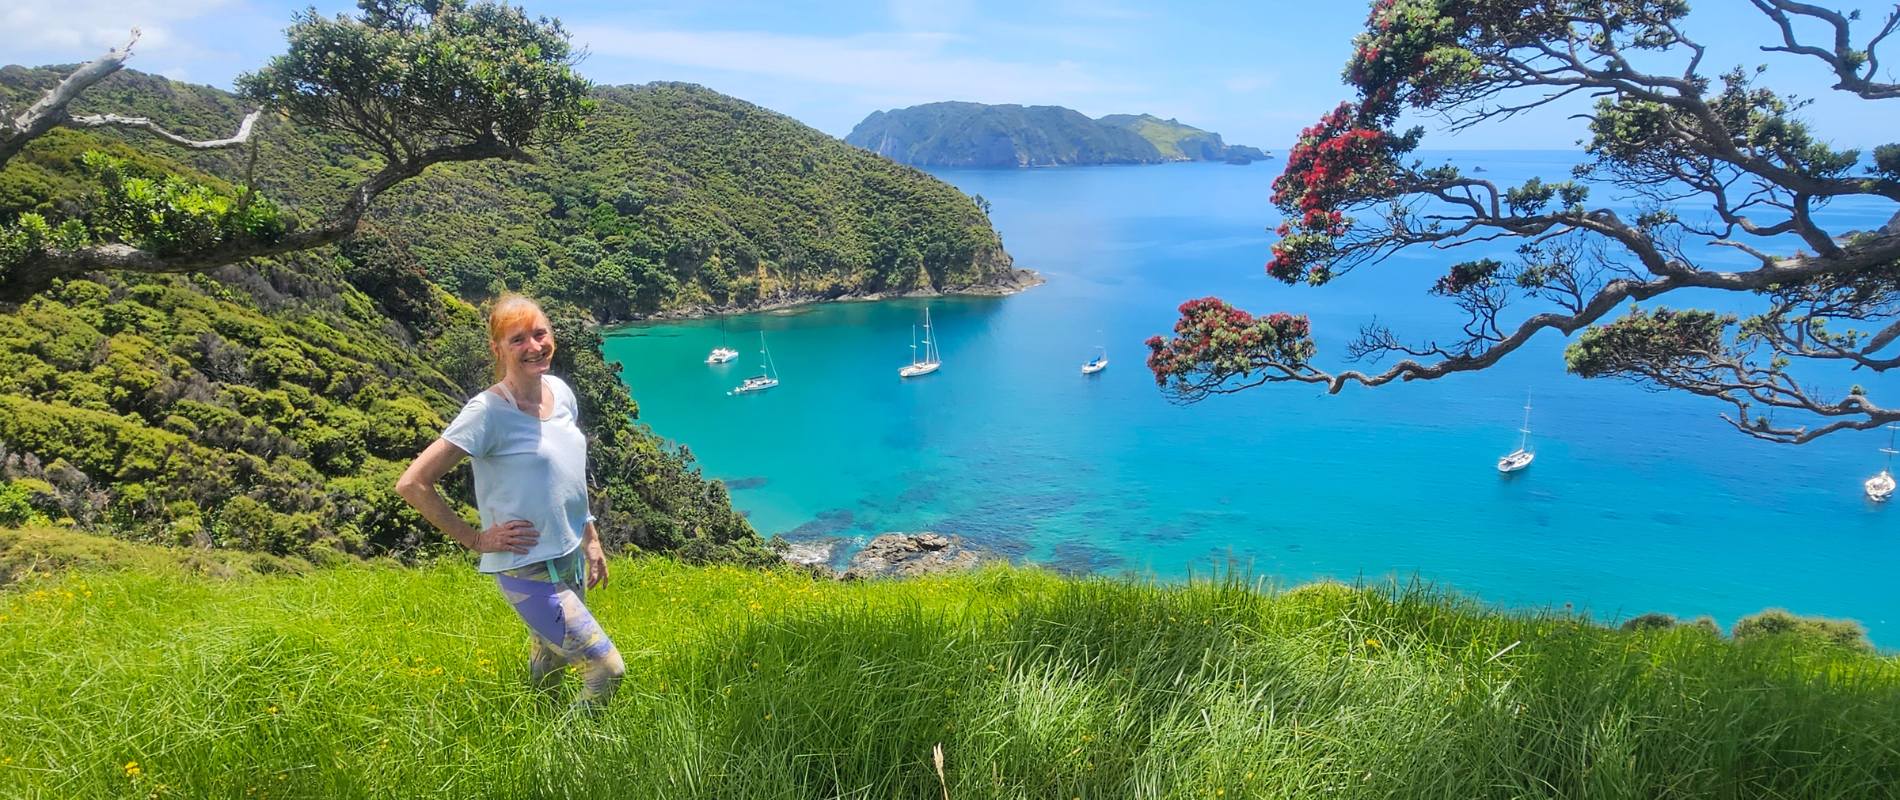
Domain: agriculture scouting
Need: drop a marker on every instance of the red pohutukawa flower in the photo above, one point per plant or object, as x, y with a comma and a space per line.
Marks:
1215, 338
1341, 160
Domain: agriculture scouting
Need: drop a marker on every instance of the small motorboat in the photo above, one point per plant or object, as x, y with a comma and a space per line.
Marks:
1096, 364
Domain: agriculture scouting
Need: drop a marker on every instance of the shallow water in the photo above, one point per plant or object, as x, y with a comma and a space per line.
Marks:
1637, 501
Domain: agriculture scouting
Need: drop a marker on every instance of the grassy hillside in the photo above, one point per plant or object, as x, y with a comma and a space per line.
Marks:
366, 681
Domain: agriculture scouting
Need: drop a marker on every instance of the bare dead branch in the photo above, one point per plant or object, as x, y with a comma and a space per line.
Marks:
50, 111
243, 132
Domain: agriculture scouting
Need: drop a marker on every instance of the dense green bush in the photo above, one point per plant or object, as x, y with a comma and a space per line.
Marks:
1778, 623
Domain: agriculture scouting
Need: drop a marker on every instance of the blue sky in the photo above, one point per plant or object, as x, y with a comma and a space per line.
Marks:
1256, 73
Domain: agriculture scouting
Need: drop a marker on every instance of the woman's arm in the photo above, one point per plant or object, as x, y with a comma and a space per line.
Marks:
596, 557
418, 486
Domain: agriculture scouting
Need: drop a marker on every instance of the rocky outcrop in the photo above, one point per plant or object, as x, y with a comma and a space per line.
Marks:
908, 555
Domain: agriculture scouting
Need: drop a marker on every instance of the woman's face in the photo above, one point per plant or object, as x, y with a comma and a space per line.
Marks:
527, 349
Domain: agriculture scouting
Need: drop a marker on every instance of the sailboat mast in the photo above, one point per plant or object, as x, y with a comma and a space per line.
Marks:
1525, 440
930, 341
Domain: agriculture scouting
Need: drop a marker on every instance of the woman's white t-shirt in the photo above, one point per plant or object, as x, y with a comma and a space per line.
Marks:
527, 468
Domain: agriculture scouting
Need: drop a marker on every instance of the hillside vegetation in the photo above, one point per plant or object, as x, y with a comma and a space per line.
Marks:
673, 197
958, 134
270, 406
387, 682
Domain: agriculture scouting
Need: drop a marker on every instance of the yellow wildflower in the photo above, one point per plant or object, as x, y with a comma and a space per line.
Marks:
1373, 643
132, 769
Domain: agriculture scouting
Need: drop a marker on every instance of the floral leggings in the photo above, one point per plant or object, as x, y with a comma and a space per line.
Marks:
549, 596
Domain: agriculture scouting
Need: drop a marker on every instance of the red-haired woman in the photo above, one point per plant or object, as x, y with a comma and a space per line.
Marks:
530, 462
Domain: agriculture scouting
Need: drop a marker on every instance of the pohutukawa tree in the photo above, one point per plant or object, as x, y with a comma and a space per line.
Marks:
1712, 161
416, 82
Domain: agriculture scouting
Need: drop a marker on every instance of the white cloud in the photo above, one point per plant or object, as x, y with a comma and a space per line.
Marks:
913, 65
67, 31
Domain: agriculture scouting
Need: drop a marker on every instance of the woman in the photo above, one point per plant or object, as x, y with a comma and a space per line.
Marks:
537, 537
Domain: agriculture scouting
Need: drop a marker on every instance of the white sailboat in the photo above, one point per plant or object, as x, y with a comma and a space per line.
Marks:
930, 361
1098, 363
1522, 456
768, 374
722, 353
1880, 487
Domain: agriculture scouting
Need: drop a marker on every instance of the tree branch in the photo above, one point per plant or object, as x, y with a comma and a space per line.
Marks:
34, 274
243, 133
1845, 62
50, 111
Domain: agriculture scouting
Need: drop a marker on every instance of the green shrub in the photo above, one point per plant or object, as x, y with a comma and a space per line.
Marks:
1778, 623
1649, 622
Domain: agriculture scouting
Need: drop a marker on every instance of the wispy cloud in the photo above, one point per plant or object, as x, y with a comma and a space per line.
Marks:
48, 31
892, 64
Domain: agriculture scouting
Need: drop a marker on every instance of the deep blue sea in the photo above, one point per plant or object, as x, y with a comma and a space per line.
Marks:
1637, 502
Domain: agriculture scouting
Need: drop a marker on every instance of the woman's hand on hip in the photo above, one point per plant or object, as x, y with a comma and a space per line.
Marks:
513, 536
596, 564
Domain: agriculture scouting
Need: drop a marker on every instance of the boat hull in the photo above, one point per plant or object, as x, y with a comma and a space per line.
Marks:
1516, 461
1880, 487
749, 387
915, 370
722, 356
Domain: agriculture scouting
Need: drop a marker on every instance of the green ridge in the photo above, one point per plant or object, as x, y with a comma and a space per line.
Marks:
958, 134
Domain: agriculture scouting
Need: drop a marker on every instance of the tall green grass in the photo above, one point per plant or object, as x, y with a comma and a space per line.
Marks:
162, 681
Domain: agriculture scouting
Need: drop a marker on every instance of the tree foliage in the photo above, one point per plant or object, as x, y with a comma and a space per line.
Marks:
417, 82
1714, 161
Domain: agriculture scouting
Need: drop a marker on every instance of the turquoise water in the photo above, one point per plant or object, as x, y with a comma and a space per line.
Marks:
1637, 502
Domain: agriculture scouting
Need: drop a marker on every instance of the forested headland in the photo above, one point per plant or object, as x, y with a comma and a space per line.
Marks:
270, 404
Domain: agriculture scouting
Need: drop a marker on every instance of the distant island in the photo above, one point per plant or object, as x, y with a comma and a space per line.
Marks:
957, 134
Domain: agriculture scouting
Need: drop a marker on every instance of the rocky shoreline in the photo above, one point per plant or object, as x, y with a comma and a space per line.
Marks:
890, 555
1017, 280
